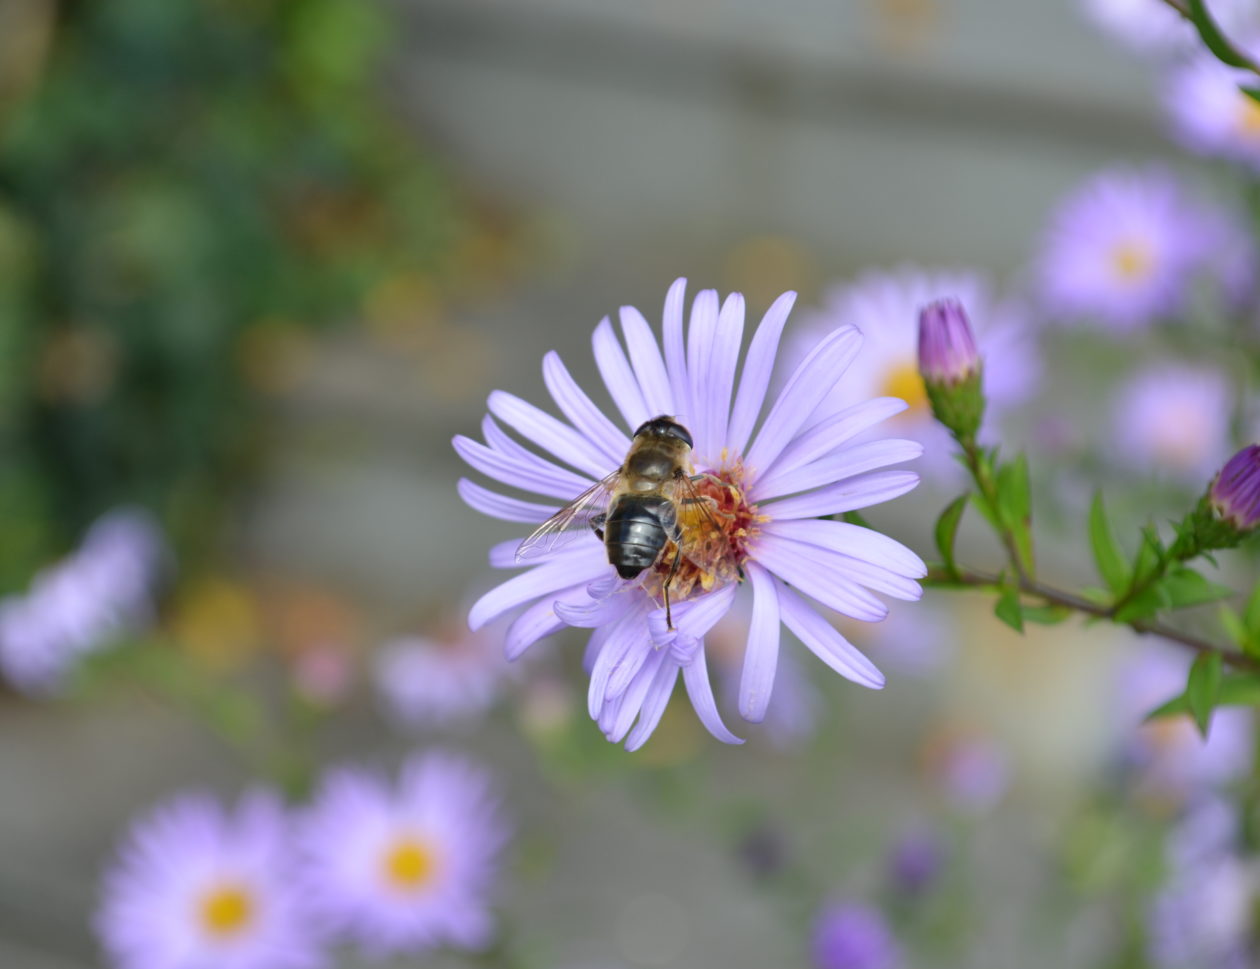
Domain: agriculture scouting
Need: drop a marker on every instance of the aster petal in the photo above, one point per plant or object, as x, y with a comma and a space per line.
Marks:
538, 475
581, 410
860, 491
618, 641
542, 580
654, 704
700, 333
503, 554
827, 436
675, 347
551, 435
758, 366
700, 690
594, 612
500, 506
536, 622
853, 540
856, 570
762, 653
723, 359
620, 713
618, 377
812, 577
838, 466
645, 357
805, 390
825, 642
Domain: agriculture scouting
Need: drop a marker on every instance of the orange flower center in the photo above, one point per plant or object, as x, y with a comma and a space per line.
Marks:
410, 864
1248, 117
1132, 261
903, 380
227, 911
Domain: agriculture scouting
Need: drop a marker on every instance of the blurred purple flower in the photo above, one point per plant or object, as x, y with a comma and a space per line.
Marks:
194, 887
885, 305
853, 935
1174, 419
1122, 249
406, 867
973, 773
802, 463
916, 860
1154, 27
435, 682
98, 594
914, 642
1235, 491
1209, 114
1170, 756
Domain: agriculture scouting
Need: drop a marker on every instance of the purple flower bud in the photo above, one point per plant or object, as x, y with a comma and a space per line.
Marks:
850, 935
916, 860
947, 350
1235, 492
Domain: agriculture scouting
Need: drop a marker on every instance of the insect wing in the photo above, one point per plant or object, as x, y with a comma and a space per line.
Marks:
571, 520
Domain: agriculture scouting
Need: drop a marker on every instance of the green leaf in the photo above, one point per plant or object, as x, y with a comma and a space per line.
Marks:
1251, 92
1013, 493
1251, 612
1047, 615
1237, 690
947, 531
1215, 41
1233, 625
1107, 554
1144, 605
1150, 556
854, 518
1203, 690
1009, 611
1185, 587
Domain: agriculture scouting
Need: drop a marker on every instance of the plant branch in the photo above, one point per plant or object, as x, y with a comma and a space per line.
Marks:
942, 578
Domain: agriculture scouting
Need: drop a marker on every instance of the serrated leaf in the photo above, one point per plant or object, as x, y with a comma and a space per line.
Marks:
1047, 615
1212, 37
1107, 554
1203, 689
1185, 587
947, 530
1236, 690
1009, 611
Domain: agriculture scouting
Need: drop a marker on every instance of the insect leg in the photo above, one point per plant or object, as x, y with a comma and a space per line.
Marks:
673, 568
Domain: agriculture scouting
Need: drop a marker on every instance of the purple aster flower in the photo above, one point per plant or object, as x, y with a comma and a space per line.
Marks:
853, 935
765, 492
915, 642
434, 681
406, 867
1202, 916
95, 596
1154, 27
1174, 419
971, 770
196, 887
1235, 491
885, 306
1122, 249
916, 860
1172, 760
1209, 114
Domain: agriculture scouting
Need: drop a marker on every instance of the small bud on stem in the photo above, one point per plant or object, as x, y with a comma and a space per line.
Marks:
951, 368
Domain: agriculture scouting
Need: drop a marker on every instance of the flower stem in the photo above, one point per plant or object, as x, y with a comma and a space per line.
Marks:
982, 474
941, 578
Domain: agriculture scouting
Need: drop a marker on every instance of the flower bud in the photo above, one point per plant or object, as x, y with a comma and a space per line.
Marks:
947, 350
951, 368
1235, 491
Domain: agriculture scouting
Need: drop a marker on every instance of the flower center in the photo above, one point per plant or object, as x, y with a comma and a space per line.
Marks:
1248, 117
227, 911
716, 530
1132, 260
903, 380
410, 864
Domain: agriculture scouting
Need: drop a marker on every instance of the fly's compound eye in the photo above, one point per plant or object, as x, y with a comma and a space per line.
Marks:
665, 427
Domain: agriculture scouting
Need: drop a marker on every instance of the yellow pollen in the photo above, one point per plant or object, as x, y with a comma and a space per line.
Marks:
1132, 260
903, 380
410, 864
227, 911
1248, 117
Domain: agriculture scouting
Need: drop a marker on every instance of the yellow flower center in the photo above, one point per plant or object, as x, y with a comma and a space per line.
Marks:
227, 911
410, 864
1132, 260
903, 380
1248, 117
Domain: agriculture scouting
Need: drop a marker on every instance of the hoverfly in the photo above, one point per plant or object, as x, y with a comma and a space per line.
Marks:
646, 509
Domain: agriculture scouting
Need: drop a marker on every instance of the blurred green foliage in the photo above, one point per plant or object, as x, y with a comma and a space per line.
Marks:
186, 186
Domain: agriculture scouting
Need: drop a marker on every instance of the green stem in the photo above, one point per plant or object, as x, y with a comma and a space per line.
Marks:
965, 578
981, 474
